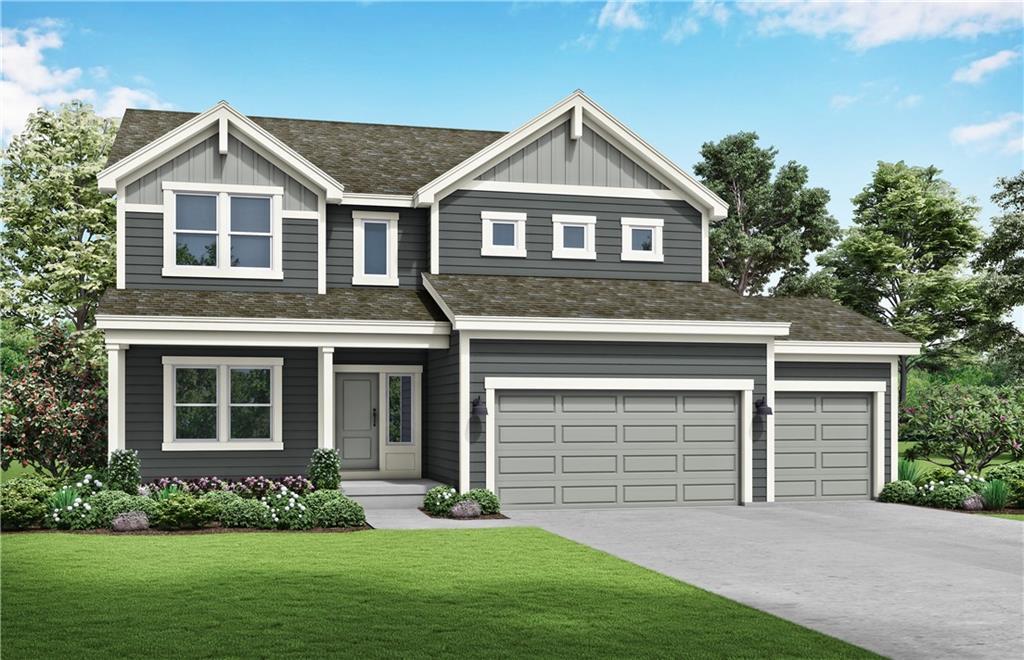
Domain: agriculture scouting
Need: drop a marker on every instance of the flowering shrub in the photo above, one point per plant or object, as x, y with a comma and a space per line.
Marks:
297, 484
241, 512
254, 487
68, 510
487, 500
162, 483
182, 511
286, 509
440, 500
330, 508
899, 492
206, 485
88, 485
945, 496
325, 469
23, 502
101, 507
123, 470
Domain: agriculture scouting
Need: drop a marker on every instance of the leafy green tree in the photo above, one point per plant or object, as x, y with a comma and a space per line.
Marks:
902, 262
773, 224
57, 252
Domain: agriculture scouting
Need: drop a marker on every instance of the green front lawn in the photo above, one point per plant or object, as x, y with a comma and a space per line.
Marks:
465, 593
1008, 516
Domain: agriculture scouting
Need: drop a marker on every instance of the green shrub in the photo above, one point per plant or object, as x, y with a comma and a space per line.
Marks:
68, 509
937, 475
130, 503
899, 492
330, 508
101, 504
440, 500
995, 494
219, 499
287, 510
948, 497
167, 492
123, 471
242, 512
1013, 475
487, 500
325, 469
181, 511
909, 471
23, 502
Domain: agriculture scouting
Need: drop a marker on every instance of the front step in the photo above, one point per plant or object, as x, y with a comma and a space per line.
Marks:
388, 493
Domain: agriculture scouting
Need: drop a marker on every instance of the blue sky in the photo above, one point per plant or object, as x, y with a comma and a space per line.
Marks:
835, 86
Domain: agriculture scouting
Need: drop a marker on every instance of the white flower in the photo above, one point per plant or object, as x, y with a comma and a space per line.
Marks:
99, 483
78, 500
88, 507
960, 472
88, 477
69, 508
78, 485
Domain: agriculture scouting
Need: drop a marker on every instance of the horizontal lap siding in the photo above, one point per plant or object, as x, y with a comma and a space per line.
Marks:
491, 358
413, 240
461, 235
144, 259
846, 371
144, 417
441, 413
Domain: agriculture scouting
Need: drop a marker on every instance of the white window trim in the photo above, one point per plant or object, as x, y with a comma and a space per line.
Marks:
487, 246
656, 225
359, 276
558, 249
223, 365
223, 269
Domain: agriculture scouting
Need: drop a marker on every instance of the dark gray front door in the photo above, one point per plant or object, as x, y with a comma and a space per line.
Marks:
822, 446
356, 420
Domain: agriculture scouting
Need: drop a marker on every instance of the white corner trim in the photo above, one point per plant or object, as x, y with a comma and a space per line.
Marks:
589, 383
463, 422
747, 446
487, 246
788, 347
300, 215
325, 371
321, 246
559, 221
222, 446
770, 423
570, 189
360, 219
115, 397
830, 386
490, 440
894, 419
705, 243
435, 238
121, 236
656, 253
878, 448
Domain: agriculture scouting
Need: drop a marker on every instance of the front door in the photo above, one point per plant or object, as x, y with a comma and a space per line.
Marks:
357, 415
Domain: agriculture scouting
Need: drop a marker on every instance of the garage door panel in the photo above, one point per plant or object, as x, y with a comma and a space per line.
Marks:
709, 463
526, 495
526, 465
572, 404
844, 431
590, 433
836, 404
795, 460
846, 459
662, 463
844, 487
636, 493
603, 494
590, 464
632, 433
802, 488
697, 404
800, 432
721, 492
524, 434
705, 433
650, 403
795, 403
526, 403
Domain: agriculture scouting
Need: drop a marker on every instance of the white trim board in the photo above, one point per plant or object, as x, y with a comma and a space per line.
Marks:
364, 339
790, 346
830, 386
262, 325
568, 189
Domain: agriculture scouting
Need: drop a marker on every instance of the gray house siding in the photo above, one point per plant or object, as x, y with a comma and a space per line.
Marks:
204, 164
616, 359
144, 259
144, 416
441, 414
413, 241
461, 234
589, 161
846, 371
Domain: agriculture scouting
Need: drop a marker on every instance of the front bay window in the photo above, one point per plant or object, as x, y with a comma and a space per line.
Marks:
222, 403
213, 230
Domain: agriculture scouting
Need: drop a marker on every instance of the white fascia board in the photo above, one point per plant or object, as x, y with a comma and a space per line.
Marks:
664, 338
577, 102
158, 148
372, 199
789, 347
365, 340
229, 324
672, 384
625, 326
829, 386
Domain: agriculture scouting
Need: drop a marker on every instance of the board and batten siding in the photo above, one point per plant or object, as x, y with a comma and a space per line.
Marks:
461, 232
489, 358
144, 416
588, 161
441, 414
144, 259
846, 371
203, 163
413, 241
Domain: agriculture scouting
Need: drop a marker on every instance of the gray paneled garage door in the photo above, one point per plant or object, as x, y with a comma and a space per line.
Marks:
603, 449
822, 446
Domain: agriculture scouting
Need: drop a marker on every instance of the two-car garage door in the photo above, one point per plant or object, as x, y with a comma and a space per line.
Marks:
608, 448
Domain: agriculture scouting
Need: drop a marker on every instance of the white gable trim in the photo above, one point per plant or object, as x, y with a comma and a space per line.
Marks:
220, 117
581, 109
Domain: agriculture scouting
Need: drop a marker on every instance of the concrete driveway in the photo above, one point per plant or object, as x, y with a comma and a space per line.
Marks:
903, 581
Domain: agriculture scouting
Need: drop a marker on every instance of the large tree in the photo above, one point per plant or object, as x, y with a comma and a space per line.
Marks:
903, 261
773, 223
57, 252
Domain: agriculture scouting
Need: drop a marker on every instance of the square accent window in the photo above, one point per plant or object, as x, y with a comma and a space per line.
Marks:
642, 239
375, 248
573, 236
400, 409
504, 234
222, 403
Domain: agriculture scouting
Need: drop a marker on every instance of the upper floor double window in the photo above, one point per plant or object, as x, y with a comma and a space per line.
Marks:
213, 230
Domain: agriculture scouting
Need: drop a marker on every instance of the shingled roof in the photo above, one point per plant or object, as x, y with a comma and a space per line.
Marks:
366, 158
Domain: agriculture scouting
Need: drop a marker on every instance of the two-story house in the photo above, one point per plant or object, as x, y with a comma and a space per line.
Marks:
526, 311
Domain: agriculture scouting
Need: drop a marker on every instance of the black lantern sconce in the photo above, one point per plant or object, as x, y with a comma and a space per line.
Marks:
479, 408
762, 408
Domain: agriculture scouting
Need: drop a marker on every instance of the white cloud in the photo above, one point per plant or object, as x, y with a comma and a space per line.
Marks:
871, 24
909, 101
681, 28
989, 131
841, 101
976, 71
1015, 145
99, 72
716, 11
620, 16
120, 98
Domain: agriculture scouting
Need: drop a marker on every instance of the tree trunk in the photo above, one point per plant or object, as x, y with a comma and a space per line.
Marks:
904, 370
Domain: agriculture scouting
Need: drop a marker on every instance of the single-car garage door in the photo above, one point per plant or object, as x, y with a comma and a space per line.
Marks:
606, 448
822, 446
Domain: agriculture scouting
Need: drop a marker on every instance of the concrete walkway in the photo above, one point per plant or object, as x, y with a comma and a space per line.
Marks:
903, 581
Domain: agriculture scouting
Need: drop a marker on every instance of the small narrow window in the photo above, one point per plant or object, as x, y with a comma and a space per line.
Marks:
642, 239
400, 402
573, 236
504, 234
375, 248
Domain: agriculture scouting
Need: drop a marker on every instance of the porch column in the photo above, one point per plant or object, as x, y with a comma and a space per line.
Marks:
115, 397
326, 373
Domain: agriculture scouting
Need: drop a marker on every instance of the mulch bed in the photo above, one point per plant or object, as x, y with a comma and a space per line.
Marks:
188, 532
489, 516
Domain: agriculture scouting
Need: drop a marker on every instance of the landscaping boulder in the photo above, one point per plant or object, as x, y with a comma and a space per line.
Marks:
974, 503
465, 509
131, 521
